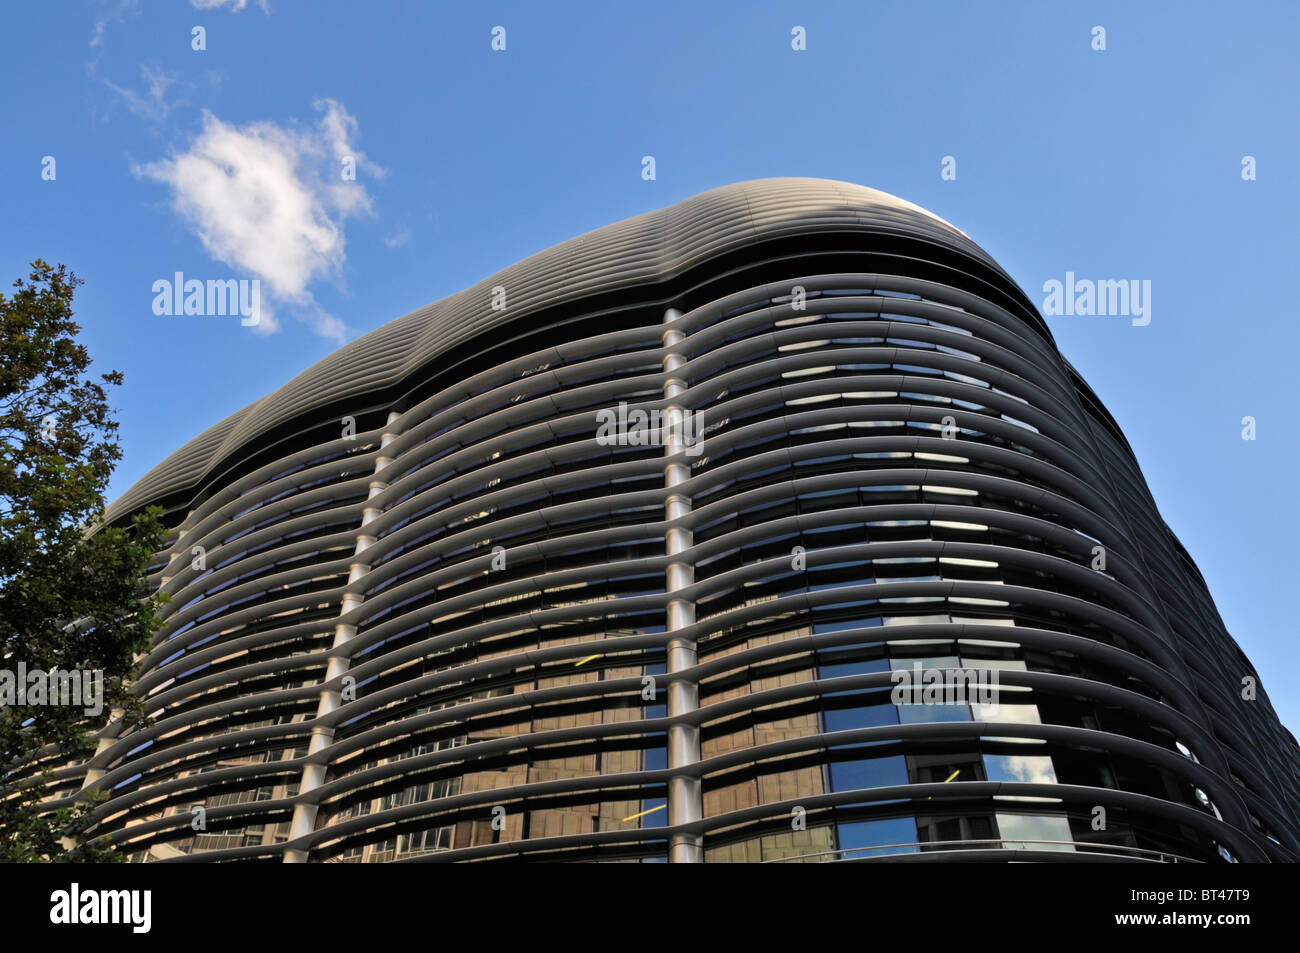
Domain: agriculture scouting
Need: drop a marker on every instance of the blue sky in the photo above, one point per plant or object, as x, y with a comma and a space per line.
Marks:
1122, 164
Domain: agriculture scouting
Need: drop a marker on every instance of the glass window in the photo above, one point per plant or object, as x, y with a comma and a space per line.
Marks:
1031, 769
939, 831
883, 833
1011, 714
863, 622
846, 719
855, 668
657, 815
944, 768
918, 714
1019, 830
872, 773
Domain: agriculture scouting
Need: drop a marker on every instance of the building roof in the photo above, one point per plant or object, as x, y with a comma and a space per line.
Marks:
643, 250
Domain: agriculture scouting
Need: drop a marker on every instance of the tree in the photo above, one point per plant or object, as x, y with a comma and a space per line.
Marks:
73, 593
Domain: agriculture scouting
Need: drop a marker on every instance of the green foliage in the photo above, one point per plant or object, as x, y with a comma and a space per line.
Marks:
73, 593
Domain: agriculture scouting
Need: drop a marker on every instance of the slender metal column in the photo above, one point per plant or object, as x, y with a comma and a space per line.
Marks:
685, 802
322, 736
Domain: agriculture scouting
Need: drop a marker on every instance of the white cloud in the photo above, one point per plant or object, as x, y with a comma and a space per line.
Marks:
234, 5
152, 103
272, 202
112, 13
399, 239
1031, 769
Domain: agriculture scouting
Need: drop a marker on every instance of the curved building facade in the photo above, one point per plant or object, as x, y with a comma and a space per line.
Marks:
629, 551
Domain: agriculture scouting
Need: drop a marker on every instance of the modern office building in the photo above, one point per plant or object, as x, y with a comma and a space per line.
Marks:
625, 552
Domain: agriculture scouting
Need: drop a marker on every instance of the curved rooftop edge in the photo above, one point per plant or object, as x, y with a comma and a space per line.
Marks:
639, 252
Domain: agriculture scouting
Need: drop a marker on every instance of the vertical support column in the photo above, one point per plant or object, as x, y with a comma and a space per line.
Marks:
685, 801
93, 775
322, 736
